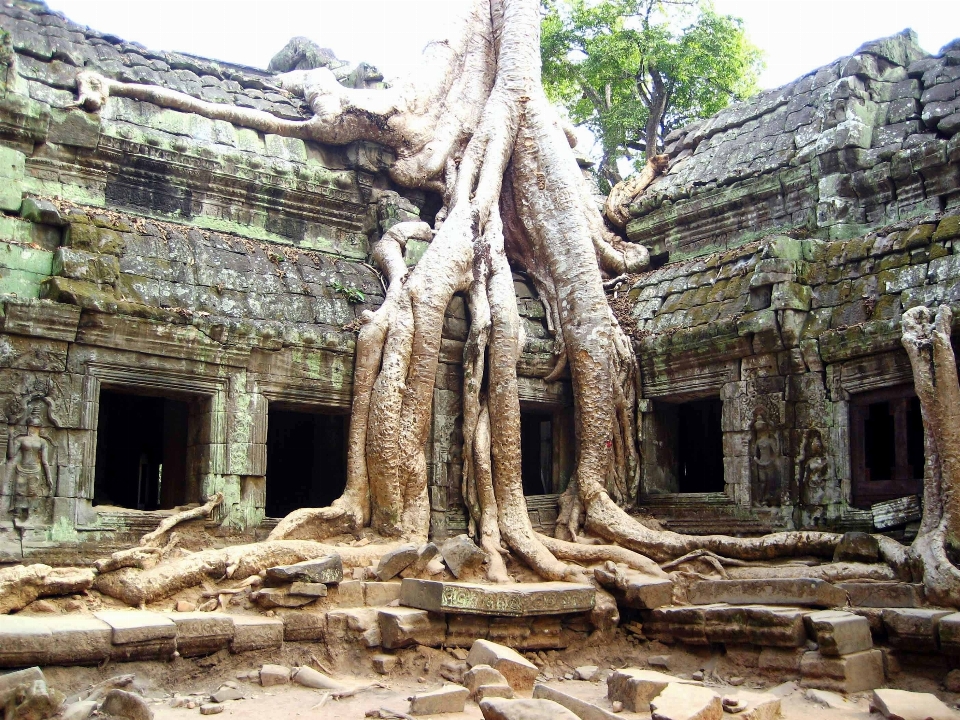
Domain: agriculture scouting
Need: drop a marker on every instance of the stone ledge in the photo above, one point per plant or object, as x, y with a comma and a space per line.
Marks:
515, 600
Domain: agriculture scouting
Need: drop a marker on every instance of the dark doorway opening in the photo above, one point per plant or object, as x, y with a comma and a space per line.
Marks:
700, 446
886, 438
536, 453
141, 452
306, 460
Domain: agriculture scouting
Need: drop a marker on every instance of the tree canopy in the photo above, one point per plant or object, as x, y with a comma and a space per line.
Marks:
633, 70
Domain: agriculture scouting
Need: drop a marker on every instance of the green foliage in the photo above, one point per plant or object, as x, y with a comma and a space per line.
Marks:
633, 70
352, 294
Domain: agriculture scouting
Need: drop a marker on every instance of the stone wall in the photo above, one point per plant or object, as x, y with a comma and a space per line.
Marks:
866, 141
157, 252
792, 231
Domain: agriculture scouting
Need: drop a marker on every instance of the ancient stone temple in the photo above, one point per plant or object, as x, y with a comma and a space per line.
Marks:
181, 296
791, 233
180, 300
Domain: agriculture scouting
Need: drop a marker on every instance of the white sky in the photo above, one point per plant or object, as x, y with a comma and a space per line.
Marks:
795, 35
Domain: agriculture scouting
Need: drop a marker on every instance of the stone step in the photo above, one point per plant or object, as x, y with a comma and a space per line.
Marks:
507, 600
763, 625
768, 591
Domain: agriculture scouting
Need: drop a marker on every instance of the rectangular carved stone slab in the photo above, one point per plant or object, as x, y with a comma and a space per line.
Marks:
517, 600
769, 591
24, 641
79, 640
136, 626
202, 633
327, 570
255, 632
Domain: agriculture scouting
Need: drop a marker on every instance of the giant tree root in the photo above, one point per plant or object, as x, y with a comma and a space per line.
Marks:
20, 585
138, 587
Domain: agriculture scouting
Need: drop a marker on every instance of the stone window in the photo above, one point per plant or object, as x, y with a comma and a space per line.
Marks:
306, 458
144, 460
886, 445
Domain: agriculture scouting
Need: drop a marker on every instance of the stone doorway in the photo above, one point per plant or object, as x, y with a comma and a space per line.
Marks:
699, 446
142, 460
306, 459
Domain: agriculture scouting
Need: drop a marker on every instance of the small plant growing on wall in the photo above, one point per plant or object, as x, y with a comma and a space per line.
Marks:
352, 294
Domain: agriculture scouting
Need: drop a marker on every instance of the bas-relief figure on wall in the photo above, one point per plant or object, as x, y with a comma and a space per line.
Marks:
29, 479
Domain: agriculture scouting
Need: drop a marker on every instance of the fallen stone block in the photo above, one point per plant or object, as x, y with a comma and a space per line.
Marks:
634, 589
384, 664
211, 709
404, 627
636, 688
759, 705
883, 594
380, 594
270, 598
829, 699
254, 632
768, 591
426, 554
462, 555
838, 632
309, 589
849, 673
857, 547
308, 677
581, 708
225, 694
686, 702
588, 673
497, 690
905, 705
448, 699
202, 633
519, 672
948, 631
274, 675
516, 599
136, 626
395, 561
126, 705
24, 641
912, 629
503, 709
482, 675
9, 682
327, 570
80, 710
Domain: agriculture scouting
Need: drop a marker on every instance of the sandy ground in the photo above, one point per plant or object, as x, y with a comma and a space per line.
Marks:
418, 671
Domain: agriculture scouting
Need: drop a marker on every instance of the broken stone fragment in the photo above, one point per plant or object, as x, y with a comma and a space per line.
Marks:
211, 709
404, 627
308, 677
848, 673
686, 702
327, 570
395, 561
126, 705
519, 672
25, 694
504, 709
274, 675
308, 589
494, 690
905, 705
185, 606
586, 672
462, 556
78, 710
425, 555
226, 693
279, 598
581, 708
636, 688
838, 632
383, 664
448, 699
482, 675
454, 670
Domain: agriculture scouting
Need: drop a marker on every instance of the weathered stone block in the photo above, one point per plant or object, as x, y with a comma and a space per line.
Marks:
913, 629
906, 705
948, 630
270, 598
771, 591
304, 626
309, 589
636, 688
202, 633
755, 624
448, 699
838, 632
581, 708
686, 702
136, 626
79, 640
404, 627
395, 561
482, 675
518, 599
11, 179
24, 641
378, 594
539, 709
254, 632
328, 570
850, 673
357, 624
518, 671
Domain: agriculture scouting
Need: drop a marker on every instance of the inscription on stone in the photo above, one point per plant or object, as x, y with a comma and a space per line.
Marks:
516, 600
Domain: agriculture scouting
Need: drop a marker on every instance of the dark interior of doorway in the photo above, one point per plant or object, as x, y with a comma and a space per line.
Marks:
700, 446
141, 451
536, 453
306, 460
